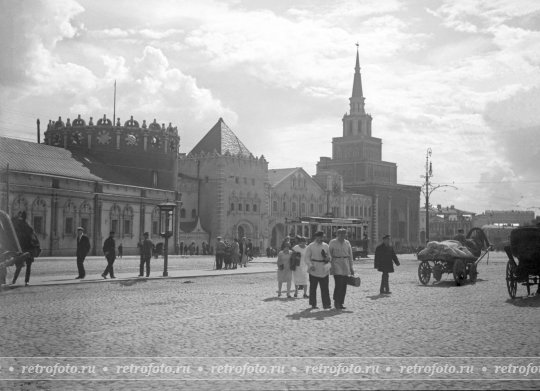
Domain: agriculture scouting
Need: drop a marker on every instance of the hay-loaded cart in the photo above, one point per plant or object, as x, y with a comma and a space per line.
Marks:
463, 266
525, 248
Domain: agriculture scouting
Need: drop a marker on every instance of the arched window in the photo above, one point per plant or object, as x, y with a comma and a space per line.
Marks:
347, 211
19, 205
154, 179
254, 207
155, 221
247, 207
128, 221
182, 213
193, 213
39, 212
274, 207
85, 216
303, 208
69, 218
239, 207
232, 206
294, 183
284, 206
115, 218
293, 207
311, 208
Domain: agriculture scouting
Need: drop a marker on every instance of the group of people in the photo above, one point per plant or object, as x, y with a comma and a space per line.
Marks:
315, 262
234, 254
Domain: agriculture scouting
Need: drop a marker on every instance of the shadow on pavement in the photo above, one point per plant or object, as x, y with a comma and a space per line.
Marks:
274, 298
317, 315
379, 296
526, 301
130, 282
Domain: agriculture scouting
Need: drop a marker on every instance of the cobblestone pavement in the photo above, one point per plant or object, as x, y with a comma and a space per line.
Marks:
240, 316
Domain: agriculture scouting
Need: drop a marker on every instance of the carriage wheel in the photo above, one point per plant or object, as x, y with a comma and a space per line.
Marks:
511, 281
460, 273
424, 272
473, 274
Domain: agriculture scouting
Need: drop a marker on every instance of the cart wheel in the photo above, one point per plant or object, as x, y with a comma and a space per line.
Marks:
473, 274
511, 281
460, 274
424, 272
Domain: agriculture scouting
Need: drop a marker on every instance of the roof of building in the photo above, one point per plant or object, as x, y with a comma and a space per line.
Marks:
277, 175
30, 157
221, 139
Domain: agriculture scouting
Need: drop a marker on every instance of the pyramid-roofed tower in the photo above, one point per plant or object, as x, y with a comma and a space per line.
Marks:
221, 139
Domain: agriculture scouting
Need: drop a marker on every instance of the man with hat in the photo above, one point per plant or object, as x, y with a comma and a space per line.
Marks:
147, 248
220, 253
384, 256
109, 249
83, 247
342, 266
460, 237
318, 263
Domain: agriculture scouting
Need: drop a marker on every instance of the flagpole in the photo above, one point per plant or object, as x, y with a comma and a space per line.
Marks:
114, 105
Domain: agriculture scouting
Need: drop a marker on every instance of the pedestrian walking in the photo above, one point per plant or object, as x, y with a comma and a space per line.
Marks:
29, 244
243, 252
83, 247
147, 248
318, 262
109, 249
220, 253
385, 257
300, 273
120, 250
284, 273
235, 254
341, 266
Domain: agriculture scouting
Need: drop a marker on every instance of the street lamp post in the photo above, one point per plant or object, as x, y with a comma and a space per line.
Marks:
428, 188
166, 230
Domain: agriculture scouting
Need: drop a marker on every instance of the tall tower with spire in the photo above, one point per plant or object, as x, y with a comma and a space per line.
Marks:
357, 157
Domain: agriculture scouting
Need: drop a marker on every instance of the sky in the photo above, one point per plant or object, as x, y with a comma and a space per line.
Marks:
461, 77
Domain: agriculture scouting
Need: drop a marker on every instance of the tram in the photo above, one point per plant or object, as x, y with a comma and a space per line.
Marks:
357, 229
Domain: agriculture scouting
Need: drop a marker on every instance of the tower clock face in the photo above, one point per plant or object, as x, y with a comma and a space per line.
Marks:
104, 137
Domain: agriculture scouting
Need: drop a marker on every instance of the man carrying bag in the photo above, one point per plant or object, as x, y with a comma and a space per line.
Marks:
342, 266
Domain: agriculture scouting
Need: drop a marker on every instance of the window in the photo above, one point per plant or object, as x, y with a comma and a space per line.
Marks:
247, 207
154, 178
193, 213
254, 207
294, 182
294, 207
284, 206
240, 207
245, 180
232, 206
303, 208
274, 207
320, 208
114, 225
237, 180
206, 179
182, 213
68, 226
38, 224
155, 227
347, 211
311, 208
85, 223
127, 227
127, 221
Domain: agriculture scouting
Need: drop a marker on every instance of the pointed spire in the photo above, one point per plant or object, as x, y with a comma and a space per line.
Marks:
357, 97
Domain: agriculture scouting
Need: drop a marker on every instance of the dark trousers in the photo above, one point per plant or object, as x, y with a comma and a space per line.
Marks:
384, 283
18, 268
325, 295
340, 290
80, 267
219, 261
144, 261
109, 269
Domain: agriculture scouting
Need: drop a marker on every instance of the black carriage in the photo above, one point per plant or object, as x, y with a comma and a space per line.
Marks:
525, 249
463, 267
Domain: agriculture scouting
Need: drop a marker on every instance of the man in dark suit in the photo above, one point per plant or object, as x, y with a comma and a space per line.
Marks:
385, 257
29, 244
83, 247
147, 247
109, 249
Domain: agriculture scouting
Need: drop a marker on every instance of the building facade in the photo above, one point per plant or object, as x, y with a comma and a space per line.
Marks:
357, 157
444, 223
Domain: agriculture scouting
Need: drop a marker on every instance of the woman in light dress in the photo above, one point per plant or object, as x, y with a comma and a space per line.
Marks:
284, 273
300, 273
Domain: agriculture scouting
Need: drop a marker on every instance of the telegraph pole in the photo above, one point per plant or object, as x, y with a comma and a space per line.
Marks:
428, 188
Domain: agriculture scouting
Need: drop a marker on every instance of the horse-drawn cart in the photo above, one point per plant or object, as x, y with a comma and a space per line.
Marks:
525, 247
460, 259
10, 249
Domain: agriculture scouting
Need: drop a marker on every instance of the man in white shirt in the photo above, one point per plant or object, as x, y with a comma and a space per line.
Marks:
342, 266
318, 263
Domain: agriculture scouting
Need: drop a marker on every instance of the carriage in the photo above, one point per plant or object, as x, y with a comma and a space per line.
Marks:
525, 247
460, 259
10, 249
